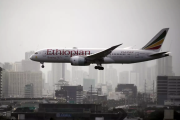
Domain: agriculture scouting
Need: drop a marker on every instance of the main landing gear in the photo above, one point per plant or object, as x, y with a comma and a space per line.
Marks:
42, 65
99, 67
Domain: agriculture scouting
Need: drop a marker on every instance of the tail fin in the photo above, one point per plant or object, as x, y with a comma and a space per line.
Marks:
157, 41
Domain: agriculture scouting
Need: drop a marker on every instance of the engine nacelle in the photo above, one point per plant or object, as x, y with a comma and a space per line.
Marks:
79, 61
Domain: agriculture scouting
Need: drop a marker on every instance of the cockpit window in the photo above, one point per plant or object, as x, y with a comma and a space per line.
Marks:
36, 52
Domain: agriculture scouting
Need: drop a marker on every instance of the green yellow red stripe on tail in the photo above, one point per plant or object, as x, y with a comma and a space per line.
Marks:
156, 42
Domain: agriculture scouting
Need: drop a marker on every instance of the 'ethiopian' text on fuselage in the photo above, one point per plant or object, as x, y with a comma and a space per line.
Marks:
67, 52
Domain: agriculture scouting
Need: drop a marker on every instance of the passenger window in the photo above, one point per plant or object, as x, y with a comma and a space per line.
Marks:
36, 52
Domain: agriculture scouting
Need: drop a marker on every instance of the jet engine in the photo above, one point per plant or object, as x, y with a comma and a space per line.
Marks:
79, 61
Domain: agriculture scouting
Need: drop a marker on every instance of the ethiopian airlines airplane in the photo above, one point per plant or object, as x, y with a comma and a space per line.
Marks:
87, 56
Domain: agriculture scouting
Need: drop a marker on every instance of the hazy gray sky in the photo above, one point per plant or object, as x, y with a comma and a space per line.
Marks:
27, 25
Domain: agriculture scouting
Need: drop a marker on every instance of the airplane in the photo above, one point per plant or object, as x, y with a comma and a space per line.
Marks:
87, 56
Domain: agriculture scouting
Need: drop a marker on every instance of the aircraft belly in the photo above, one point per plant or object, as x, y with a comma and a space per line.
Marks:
123, 59
108, 60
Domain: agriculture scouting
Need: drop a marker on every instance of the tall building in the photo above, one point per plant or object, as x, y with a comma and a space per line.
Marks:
141, 70
43, 80
1, 65
73, 94
7, 66
127, 89
28, 65
124, 77
50, 86
105, 88
14, 83
28, 54
68, 75
85, 74
164, 66
168, 89
58, 72
110, 75
101, 76
154, 76
93, 74
28, 91
77, 75
1, 81
87, 84
134, 78
17, 66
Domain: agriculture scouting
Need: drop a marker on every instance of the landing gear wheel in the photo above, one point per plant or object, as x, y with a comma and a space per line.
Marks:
42, 66
101, 68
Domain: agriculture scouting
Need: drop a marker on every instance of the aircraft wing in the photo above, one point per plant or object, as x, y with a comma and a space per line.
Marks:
102, 53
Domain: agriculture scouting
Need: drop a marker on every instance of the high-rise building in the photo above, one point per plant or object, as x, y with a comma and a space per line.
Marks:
68, 75
101, 76
127, 89
112, 76
168, 89
134, 78
141, 70
1, 81
50, 86
124, 77
14, 83
43, 80
1, 65
164, 66
85, 74
154, 76
28, 54
58, 72
7, 66
93, 74
105, 88
17, 66
74, 93
28, 91
28, 65
77, 75
87, 83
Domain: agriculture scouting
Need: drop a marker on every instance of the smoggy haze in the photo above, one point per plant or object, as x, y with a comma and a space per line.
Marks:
27, 25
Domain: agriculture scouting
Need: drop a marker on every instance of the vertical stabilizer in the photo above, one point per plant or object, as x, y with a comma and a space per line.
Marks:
156, 42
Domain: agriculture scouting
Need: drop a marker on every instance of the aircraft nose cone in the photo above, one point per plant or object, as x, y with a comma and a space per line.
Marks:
31, 57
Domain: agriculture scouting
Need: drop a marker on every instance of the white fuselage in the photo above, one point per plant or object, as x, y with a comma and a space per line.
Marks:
124, 56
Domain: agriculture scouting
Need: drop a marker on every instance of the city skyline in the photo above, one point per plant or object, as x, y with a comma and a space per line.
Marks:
89, 59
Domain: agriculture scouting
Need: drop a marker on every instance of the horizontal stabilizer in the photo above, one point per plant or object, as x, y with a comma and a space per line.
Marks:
161, 53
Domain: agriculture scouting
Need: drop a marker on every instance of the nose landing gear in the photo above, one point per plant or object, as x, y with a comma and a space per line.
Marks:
42, 64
